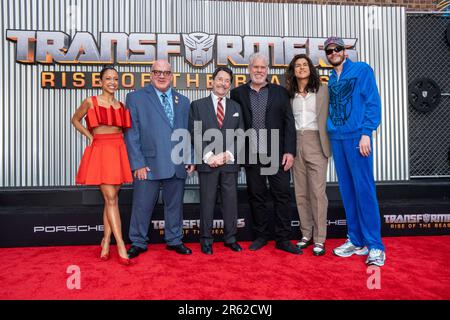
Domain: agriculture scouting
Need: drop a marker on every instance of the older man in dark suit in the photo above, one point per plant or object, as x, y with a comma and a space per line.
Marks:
222, 118
266, 108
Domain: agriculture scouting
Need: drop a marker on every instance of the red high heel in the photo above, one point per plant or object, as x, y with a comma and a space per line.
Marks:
125, 261
104, 257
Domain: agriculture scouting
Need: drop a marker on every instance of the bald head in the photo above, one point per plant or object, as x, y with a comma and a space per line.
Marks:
161, 64
161, 75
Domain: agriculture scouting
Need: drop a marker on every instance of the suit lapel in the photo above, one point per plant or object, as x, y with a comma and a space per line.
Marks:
269, 98
209, 105
319, 101
228, 113
246, 100
176, 109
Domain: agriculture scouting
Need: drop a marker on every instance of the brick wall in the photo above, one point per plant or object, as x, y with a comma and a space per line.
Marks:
416, 5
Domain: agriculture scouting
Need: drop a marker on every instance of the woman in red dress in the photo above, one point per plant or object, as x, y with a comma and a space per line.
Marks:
105, 161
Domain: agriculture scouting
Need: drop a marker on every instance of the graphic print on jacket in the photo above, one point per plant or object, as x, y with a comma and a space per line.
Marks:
341, 101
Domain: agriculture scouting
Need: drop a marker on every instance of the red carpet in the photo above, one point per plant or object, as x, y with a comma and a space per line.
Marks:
416, 268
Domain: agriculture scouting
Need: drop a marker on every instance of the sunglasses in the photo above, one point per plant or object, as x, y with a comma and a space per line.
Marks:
337, 49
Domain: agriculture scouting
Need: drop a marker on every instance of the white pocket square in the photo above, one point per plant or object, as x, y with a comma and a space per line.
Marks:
236, 114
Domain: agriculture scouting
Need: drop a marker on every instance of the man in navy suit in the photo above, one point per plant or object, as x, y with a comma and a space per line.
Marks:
219, 164
156, 111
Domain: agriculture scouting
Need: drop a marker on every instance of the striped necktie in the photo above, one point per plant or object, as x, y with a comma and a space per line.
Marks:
220, 113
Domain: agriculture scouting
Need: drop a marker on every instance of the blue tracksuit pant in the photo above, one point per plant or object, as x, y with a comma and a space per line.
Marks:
357, 187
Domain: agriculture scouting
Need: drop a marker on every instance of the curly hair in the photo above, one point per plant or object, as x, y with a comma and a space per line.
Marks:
291, 80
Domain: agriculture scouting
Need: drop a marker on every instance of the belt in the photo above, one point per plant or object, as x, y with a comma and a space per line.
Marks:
307, 131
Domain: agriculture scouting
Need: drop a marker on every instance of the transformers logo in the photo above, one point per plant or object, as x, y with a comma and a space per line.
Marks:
198, 48
50, 47
341, 101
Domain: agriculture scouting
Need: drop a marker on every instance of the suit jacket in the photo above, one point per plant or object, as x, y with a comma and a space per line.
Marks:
203, 110
278, 116
148, 141
322, 101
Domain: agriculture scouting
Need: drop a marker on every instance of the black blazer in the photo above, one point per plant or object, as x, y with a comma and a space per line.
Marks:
203, 110
278, 115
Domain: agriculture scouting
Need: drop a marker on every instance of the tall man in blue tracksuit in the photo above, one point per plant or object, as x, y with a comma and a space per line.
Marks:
354, 113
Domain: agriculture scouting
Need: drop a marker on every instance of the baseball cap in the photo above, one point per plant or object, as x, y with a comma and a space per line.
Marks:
333, 40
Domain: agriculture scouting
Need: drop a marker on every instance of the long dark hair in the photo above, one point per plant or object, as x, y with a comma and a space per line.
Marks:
291, 81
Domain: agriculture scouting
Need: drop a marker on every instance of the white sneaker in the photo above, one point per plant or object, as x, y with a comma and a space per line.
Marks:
348, 249
304, 243
319, 249
376, 257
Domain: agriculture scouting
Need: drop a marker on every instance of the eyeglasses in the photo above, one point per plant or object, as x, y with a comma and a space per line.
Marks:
159, 72
337, 49
223, 80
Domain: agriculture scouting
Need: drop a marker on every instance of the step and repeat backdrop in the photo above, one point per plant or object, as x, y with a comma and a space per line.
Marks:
77, 225
52, 51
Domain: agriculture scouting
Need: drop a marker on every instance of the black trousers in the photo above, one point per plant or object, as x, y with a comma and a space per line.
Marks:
209, 181
258, 193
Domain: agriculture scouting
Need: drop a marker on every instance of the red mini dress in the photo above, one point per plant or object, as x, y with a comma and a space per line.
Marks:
106, 160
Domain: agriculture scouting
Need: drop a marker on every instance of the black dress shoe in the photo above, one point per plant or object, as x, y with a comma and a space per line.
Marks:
181, 249
134, 251
207, 249
234, 246
257, 244
288, 247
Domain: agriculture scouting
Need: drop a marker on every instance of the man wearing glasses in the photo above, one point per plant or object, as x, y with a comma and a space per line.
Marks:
156, 111
354, 113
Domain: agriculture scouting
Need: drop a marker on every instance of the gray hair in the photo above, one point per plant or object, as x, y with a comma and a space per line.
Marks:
258, 56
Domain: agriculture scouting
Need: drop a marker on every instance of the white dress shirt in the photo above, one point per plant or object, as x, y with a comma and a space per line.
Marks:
215, 100
305, 111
